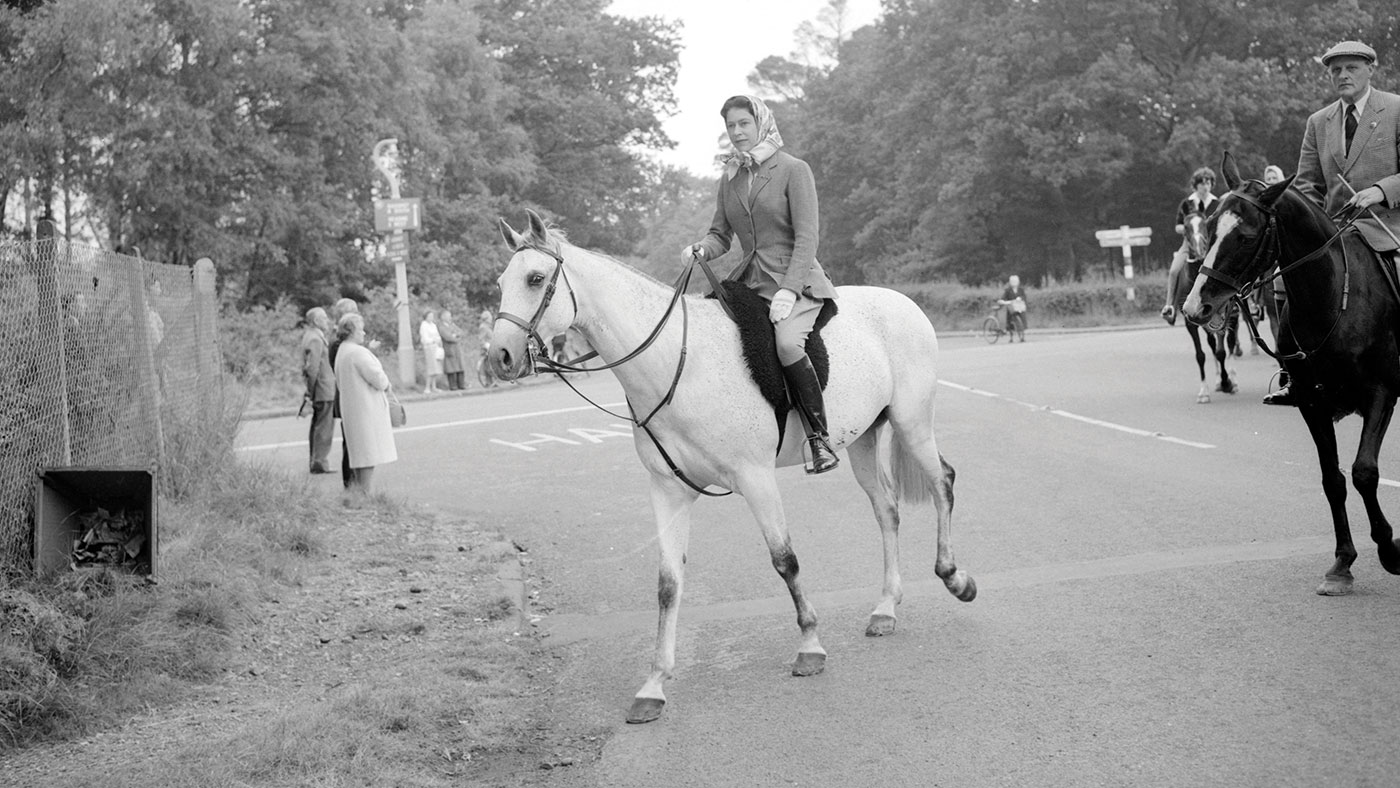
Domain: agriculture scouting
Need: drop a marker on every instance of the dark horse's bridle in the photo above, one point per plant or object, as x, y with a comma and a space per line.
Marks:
1269, 248
539, 358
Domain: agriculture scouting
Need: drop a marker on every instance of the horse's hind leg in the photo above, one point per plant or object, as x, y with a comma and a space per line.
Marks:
760, 491
865, 462
1365, 476
671, 503
1338, 579
921, 473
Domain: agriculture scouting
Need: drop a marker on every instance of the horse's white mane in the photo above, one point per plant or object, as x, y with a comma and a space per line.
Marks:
560, 237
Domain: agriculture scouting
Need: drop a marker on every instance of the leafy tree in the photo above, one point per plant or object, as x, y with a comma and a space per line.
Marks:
983, 137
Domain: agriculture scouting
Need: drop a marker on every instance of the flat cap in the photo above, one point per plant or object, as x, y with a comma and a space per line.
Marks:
1350, 49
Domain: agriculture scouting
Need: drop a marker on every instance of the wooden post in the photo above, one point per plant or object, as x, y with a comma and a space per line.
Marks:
49, 325
205, 326
145, 358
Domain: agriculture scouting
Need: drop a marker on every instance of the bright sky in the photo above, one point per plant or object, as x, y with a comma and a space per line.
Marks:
722, 41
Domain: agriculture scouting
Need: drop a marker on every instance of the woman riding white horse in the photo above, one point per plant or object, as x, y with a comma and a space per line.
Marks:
707, 423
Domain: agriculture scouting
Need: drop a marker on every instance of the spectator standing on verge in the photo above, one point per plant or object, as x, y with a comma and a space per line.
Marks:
452, 366
364, 404
343, 307
319, 376
1350, 160
431, 340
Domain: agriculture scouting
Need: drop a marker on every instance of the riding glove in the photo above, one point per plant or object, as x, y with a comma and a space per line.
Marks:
781, 306
694, 252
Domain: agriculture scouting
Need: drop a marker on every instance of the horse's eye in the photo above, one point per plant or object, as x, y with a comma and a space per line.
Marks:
536, 280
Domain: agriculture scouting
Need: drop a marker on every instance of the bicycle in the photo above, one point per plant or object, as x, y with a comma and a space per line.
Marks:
992, 329
484, 376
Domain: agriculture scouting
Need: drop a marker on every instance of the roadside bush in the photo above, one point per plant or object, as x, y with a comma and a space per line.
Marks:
954, 307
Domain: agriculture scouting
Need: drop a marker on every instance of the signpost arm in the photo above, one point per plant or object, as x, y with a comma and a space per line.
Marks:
386, 161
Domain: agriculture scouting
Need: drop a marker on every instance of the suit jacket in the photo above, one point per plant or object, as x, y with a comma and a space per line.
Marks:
316, 368
776, 223
1374, 161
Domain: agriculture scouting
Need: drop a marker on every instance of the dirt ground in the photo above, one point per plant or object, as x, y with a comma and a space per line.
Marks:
402, 599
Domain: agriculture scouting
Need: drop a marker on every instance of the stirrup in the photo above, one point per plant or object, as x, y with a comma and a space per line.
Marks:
818, 457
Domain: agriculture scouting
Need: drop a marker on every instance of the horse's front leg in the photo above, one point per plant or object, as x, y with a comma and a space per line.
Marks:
760, 491
1202, 396
1365, 476
1338, 579
671, 502
1221, 346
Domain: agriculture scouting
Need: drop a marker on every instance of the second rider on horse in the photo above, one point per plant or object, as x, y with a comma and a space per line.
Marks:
1199, 201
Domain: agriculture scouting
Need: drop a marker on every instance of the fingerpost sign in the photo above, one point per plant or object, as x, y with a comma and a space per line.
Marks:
1126, 237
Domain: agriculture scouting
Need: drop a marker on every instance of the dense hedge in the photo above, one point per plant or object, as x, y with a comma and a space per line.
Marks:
953, 307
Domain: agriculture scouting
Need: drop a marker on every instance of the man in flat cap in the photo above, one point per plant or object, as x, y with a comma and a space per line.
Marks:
1351, 155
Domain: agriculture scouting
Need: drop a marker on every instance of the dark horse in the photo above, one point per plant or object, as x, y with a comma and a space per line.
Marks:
1340, 343
1222, 335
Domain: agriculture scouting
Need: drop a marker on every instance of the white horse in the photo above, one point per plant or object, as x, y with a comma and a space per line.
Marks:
717, 429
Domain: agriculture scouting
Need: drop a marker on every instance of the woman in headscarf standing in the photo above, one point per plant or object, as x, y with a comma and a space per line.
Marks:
768, 199
364, 404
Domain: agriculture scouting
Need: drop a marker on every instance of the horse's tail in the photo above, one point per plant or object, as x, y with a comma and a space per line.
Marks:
902, 471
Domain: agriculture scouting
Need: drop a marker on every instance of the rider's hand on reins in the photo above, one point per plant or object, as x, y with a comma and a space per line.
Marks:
693, 253
1367, 197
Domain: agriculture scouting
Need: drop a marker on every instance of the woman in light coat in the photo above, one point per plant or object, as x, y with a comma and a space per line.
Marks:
433, 353
364, 404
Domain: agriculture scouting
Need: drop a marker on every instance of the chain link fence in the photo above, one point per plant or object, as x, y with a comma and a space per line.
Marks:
104, 358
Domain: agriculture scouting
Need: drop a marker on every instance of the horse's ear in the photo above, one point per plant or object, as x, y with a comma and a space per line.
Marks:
511, 237
538, 231
1231, 171
1270, 195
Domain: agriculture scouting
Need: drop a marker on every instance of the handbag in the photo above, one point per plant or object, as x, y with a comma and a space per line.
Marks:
397, 415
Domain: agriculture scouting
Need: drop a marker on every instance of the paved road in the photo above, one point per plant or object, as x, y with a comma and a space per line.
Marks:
1146, 569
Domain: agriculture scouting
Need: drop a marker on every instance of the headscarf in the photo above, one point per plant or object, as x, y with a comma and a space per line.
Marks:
769, 140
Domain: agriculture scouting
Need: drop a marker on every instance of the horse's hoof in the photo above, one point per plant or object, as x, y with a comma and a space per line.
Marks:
1390, 556
969, 591
1202, 399
879, 626
809, 663
645, 710
1334, 586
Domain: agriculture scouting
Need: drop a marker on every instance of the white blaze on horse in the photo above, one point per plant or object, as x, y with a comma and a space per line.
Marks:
707, 424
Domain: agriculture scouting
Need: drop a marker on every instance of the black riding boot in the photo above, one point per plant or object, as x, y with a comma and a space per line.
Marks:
807, 390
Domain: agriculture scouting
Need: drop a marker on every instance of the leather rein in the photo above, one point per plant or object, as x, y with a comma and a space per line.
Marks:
539, 357
1269, 247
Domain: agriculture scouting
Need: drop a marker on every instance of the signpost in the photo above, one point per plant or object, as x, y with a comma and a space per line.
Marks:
1126, 237
396, 216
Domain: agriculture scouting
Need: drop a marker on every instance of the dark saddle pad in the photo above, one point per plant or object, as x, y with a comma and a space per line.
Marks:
761, 349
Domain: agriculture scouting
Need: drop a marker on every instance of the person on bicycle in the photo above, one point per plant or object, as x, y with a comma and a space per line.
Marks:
1200, 200
1013, 297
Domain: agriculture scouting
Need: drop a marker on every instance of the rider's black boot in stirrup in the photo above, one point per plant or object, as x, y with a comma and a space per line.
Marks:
807, 390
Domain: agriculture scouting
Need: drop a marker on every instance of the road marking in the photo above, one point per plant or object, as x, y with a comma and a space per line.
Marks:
572, 627
1076, 417
441, 425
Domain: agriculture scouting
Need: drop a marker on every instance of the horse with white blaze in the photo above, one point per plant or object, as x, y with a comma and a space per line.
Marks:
702, 420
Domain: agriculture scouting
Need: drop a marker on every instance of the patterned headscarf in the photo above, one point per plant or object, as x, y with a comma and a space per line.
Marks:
769, 140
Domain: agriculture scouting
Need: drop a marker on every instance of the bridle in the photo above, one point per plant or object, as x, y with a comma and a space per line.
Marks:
1268, 249
534, 344
539, 357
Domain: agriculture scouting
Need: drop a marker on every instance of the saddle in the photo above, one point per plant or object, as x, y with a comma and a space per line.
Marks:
761, 349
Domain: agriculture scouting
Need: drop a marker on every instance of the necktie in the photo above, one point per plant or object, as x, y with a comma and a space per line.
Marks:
1350, 125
